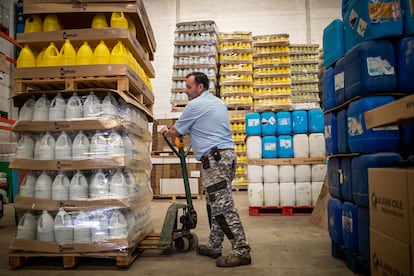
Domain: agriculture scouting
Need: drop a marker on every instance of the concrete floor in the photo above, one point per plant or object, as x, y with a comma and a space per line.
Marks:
281, 245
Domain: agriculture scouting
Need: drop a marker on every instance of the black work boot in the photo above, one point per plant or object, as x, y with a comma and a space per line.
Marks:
205, 251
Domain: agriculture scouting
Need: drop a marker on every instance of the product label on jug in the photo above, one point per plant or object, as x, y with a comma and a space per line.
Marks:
376, 66
253, 122
339, 80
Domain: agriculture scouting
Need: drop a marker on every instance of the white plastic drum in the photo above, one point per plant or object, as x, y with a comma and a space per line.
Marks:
316, 190
270, 173
303, 194
254, 147
302, 173
254, 173
286, 174
300, 145
255, 191
317, 145
271, 194
318, 172
287, 194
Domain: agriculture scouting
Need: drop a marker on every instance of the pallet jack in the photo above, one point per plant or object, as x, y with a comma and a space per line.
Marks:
181, 237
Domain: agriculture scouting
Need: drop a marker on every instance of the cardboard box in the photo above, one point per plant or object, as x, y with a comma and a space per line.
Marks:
398, 112
391, 194
389, 256
175, 186
167, 179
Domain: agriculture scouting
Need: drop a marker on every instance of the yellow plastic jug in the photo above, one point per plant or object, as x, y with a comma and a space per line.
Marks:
99, 21
51, 55
118, 20
26, 58
33, 24
84, 55
39, 58
119, 54
51, 23
131, 26
101, 54
67, 54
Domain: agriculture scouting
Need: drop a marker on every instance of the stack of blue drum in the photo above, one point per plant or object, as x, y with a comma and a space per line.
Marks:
369, 61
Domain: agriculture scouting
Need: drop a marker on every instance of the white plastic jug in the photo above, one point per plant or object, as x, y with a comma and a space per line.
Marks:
255, 191
131, 182
57, 108
63, 227
302, 173
41, 109
128, 145
25, 147
271, 194
270, 173
73, 107
117, 184
99, 144
47, 147
26, 229
125, 111
36, 149
287, 194
131, 222
99, 186
43, 186
100, 229
80, 146
45, 231
27, 186
118, 226
26, 111
115, 144
303, 193
78, 187
254, 173
82, 228
92, 107
109, 106
60, 187
63, 148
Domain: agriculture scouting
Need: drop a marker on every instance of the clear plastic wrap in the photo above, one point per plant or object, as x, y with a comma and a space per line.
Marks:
86, 161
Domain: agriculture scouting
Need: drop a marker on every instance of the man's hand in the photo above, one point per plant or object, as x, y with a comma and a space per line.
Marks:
164, 131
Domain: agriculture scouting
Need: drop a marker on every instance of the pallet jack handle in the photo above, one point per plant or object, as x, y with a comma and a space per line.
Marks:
179, 143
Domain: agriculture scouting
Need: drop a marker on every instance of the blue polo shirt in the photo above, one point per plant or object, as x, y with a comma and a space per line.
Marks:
207, 120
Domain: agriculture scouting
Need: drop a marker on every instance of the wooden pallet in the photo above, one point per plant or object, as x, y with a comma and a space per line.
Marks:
116, 76
123, 258
354, 261
280, 210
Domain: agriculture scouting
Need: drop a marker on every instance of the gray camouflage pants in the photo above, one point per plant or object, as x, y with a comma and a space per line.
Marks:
224, 218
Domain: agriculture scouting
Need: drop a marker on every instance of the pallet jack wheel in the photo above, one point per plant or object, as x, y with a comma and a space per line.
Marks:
193, 241
182, 244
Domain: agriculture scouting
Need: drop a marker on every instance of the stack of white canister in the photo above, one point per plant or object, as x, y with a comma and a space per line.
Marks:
284, 152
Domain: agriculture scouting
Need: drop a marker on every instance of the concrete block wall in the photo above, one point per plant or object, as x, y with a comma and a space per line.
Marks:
303, 20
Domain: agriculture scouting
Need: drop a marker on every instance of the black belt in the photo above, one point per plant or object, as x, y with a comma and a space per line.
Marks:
214, 150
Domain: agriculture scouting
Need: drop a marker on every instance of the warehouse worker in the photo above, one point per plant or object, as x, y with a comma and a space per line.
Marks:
206, 119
